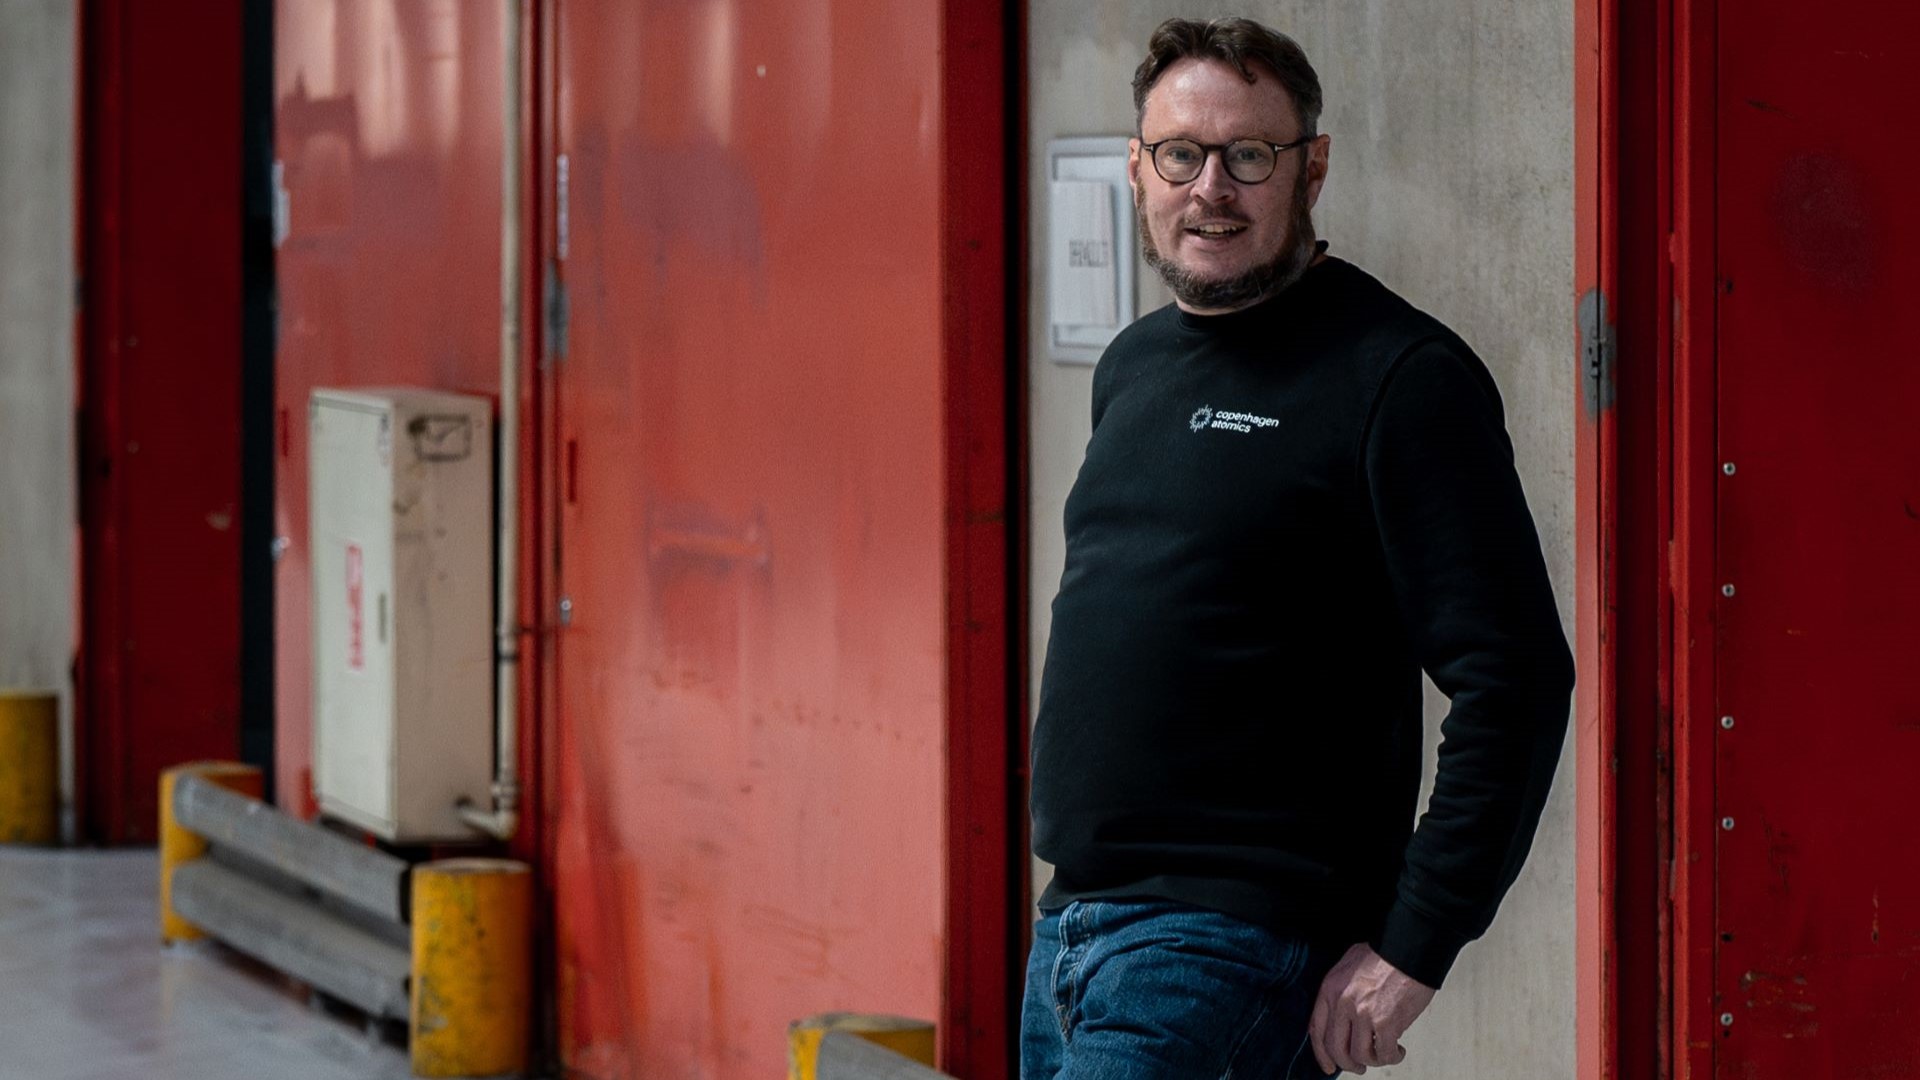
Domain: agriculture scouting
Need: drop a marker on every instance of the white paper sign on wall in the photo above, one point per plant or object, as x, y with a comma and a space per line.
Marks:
1084, 283
1090, 246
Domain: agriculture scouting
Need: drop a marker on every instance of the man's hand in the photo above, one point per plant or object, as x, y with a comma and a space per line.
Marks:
1365, 1005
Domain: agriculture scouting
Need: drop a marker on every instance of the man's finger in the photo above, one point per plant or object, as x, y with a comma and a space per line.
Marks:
1387, 1042
1360, 1042
1379, 1048
1340, 1039
1386, 1045
1317, 1033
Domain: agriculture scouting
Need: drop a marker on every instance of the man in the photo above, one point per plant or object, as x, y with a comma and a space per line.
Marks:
1299, 492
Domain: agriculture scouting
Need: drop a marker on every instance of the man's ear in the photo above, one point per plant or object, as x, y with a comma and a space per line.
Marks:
1317, 152
1133, 168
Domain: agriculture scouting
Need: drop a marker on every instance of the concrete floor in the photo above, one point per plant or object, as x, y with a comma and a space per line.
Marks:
88, 993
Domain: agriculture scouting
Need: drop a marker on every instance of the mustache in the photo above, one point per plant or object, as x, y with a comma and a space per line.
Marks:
1210, 217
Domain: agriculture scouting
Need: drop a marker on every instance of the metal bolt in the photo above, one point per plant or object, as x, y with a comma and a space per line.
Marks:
1727, 722
1726, 590
280, 545
1727, 468
1726, 823
566, 610
1726, 1019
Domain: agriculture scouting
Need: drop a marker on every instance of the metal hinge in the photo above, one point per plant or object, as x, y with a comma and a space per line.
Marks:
1597, 357
556, 313
556, 292
82, 486
562, 206
282, 204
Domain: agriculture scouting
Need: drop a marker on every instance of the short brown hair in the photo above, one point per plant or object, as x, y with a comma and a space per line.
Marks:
1236, 41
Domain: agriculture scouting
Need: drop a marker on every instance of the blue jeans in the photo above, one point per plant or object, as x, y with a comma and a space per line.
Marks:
1145, 989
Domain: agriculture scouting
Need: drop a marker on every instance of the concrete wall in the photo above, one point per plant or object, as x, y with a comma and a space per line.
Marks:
37, 515
1451, 179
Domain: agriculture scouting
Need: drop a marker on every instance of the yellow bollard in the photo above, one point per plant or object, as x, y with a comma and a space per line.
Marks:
472, 967
904, 1036
178, 845
29, 767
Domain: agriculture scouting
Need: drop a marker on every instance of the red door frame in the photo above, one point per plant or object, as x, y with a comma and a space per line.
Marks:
976, 1030
537, 460
98, 153
1617, 159
1645, 279
158, 240
1689, 485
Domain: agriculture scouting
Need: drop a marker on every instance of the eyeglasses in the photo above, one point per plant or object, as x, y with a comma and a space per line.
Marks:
1250, 161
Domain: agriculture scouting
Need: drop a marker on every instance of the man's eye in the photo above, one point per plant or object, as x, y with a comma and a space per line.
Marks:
1179, 155
1249, 155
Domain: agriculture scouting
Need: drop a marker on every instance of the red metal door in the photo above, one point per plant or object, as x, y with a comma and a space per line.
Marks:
764, 448
1817, 724
159, 234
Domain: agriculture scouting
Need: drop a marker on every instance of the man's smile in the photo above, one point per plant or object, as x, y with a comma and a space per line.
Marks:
1215, 233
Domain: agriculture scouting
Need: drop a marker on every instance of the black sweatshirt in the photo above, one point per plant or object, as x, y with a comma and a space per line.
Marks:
1285, 513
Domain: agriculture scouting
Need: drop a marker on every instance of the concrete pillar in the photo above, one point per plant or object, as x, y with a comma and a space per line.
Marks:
37, 500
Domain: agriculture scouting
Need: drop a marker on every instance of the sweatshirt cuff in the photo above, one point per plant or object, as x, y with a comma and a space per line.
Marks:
1420, 947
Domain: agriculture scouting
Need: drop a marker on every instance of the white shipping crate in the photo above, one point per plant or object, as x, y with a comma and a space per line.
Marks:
401, 505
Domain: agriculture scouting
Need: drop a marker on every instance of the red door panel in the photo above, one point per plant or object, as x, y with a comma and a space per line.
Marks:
1818, 902
751, 757
160, 398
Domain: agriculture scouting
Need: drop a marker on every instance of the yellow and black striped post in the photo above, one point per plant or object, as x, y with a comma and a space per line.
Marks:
472, 967
180, 845
29, 767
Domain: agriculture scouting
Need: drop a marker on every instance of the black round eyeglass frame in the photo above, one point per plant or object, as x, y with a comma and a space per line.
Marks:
1273, 163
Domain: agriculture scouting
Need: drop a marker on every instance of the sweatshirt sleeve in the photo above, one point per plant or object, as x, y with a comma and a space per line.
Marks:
1465, 566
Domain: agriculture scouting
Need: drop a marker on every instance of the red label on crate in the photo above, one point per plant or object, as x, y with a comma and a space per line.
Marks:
356, 609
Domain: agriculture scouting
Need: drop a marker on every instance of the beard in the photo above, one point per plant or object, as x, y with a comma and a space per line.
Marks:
1251, 285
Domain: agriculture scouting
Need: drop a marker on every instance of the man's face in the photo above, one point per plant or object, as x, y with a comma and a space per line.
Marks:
1220, 243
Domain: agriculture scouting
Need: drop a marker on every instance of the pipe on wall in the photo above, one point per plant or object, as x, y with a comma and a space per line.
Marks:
504, 819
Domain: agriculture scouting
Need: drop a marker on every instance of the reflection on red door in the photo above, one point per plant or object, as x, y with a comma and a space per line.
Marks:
387, 121
750, 769
1818, 584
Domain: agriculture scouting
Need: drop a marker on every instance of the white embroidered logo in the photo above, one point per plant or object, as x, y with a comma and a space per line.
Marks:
1204, 417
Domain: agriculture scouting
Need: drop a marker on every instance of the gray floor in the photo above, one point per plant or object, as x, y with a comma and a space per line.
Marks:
88, 993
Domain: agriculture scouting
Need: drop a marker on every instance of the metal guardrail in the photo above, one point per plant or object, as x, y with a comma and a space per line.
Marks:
366, 878
335, 914
846, 1056
861, 1046
445, 946
307, 942
260, 890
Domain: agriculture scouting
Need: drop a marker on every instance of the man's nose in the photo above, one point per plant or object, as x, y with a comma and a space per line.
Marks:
1214, 184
